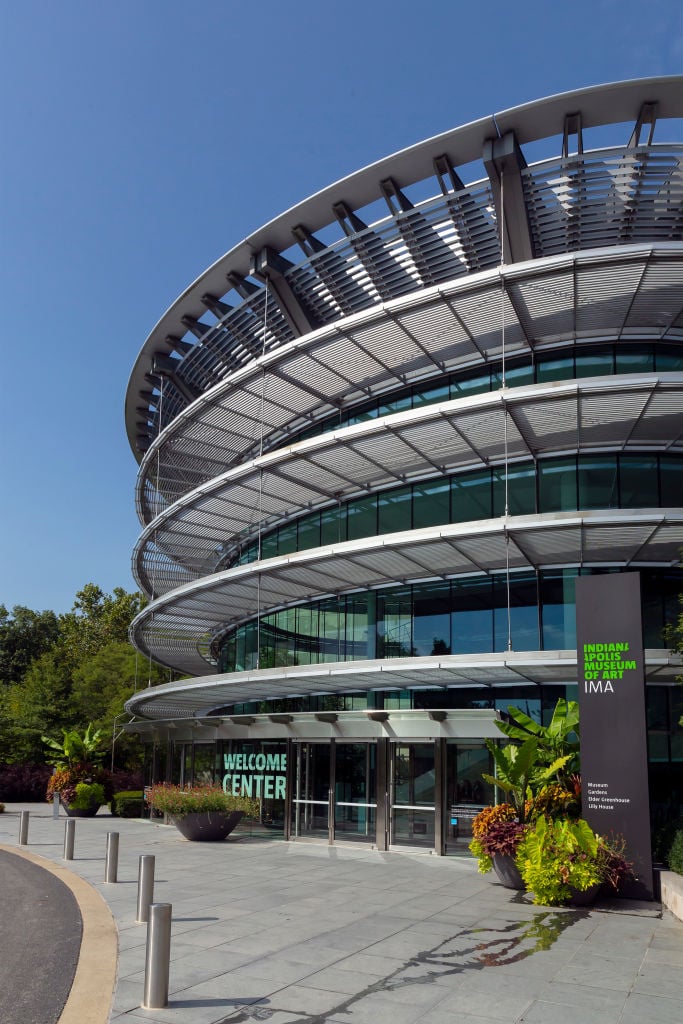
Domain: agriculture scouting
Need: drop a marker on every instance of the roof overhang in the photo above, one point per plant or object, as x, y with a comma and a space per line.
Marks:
198, 701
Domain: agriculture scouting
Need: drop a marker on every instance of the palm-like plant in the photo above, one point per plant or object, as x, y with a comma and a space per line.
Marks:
558, 739
521, 772
74, 748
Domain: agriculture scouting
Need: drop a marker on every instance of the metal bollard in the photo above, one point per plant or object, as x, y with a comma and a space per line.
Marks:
111, 860
158, 956
145, 886
69, 834
55, 805
23, 828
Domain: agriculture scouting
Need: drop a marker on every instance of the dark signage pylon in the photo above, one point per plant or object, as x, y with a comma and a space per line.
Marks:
611, 681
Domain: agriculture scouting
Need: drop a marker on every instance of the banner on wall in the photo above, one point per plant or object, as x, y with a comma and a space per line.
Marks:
611, 682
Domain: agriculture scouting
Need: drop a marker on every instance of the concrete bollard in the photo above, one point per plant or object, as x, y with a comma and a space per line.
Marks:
55, 805
158, 956
69, 834
23, 828
145, 886
111, 860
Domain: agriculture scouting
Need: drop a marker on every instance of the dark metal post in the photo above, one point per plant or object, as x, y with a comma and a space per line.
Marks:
158, 956
145, 886
23, 828
69, 833
111, 860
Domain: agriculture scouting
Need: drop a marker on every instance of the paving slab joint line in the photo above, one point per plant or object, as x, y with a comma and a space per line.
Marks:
92, 993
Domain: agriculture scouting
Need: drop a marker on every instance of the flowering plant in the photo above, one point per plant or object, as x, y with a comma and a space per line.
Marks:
177, 801
495, 830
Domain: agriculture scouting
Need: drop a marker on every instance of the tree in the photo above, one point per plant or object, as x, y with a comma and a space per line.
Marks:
24, 636
68, 670
39, 703
97, 619
103, 682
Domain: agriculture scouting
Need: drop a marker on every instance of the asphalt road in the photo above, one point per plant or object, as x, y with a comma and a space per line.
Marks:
40, 938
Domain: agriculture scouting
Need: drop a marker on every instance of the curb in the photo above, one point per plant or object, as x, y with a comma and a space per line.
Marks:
92, 991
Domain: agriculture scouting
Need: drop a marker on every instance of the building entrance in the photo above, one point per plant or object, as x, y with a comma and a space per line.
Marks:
334, 791
420, 794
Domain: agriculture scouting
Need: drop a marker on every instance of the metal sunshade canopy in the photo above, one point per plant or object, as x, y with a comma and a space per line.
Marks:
176, 629
613, 294
620, 413
200, 697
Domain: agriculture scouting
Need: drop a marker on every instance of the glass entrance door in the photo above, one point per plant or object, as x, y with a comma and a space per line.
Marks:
412, 795
466, 793
355, 791
311, 800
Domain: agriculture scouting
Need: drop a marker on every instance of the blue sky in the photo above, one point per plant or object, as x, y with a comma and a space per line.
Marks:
141, 140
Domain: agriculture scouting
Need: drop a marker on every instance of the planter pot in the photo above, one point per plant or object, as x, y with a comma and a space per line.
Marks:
584, 897
207, 826
77, 812
507, 871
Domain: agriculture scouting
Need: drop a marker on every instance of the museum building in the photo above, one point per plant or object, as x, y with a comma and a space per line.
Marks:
378, 442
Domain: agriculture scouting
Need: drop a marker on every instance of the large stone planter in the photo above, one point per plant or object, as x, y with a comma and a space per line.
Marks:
207, 826
584, 897
77, 812
507, 871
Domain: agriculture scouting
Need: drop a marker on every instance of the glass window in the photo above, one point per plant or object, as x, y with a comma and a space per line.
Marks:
471, 616
474, 385
396, 405
521, 490
634, 359
671, 481
594, 362
669, 359
515, 376
394, 622
309, 532
558, 609
286, 540
431, 503
269, 545
328, 625
523, 613
598, 483
554, 368
429, 395
557, 485
394, 509
471, 496
330, 525
356, 618
432, 625
522, 697
361, 518
638, 482
307, 635
657, 706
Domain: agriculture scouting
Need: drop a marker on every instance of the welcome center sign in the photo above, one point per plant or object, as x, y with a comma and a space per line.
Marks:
611, 681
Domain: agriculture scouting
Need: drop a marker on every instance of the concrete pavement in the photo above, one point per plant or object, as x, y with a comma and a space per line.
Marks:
264, 930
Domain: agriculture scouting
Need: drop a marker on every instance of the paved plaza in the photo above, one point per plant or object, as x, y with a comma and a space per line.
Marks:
279, 932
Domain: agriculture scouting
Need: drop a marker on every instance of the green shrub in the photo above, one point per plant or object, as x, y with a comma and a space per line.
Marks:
127, 804
676, 853
557, 856
87, 794
663, 838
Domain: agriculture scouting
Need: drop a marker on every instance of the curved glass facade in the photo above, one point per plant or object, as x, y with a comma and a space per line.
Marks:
550, 485
567, 363
461, 616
